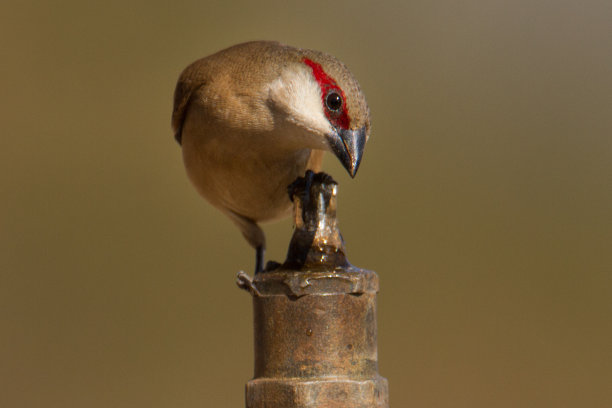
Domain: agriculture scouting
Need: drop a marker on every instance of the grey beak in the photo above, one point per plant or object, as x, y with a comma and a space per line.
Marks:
348, 145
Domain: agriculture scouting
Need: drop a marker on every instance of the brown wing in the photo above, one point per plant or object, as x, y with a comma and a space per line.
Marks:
185, 89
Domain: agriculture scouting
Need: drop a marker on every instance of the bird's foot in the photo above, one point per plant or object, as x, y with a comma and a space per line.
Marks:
302, 185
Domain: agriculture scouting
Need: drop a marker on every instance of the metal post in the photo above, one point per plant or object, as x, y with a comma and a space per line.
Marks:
315, 316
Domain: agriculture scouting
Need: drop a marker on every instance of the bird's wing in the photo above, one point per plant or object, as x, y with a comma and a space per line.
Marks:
183, 93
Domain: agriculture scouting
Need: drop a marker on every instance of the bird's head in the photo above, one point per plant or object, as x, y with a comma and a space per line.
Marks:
321, 99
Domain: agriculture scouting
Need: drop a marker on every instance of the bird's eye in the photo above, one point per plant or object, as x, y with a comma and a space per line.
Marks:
333, 101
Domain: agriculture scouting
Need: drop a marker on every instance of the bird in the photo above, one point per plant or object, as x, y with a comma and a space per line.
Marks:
253, 117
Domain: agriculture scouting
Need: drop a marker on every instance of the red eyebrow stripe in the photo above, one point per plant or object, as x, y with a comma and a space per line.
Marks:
327, 83
320, 75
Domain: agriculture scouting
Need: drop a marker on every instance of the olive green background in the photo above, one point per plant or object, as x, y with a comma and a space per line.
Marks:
484, 201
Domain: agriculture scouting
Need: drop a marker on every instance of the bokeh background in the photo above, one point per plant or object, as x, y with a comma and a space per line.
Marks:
484, 201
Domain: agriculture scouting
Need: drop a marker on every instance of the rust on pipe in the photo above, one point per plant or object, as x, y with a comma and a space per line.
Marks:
315, 316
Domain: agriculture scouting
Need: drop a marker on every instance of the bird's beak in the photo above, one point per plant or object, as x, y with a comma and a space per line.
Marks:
348, 145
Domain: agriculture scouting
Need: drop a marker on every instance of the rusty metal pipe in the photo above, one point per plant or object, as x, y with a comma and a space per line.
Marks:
315, 316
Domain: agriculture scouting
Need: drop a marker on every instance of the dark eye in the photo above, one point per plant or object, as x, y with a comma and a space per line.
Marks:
333, 100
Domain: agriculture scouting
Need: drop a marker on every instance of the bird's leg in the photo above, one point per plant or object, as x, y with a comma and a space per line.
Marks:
308, 177
301, 186
259, 258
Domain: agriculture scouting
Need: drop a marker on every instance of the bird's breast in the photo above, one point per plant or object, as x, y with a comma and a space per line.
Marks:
243, 172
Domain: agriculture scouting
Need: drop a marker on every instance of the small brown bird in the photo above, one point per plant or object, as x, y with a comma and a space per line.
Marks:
254, 117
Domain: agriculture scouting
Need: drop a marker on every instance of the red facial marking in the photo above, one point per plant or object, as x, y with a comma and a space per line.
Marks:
339, 119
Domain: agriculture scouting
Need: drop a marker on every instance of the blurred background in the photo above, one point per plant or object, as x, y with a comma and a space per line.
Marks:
483, 202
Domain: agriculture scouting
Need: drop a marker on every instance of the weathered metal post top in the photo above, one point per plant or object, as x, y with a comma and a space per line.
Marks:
315, 316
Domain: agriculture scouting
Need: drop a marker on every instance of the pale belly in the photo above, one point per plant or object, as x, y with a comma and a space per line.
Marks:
245, 181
